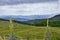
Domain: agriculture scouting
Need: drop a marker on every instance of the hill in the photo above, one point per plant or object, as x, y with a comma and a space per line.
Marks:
53, 21
22, 32
57, 17
25, 18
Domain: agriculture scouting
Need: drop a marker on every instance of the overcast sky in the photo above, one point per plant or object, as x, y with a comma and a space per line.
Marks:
36, 7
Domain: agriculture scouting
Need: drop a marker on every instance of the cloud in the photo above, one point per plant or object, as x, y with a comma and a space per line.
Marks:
29, 9
14, 2
59, 6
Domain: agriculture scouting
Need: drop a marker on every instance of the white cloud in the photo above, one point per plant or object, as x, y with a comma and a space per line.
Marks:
59, 6
29, 9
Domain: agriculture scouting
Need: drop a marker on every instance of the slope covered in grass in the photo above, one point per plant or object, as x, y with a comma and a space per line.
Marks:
55, 33
21, 31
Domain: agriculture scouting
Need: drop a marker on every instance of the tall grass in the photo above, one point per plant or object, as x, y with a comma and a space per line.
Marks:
28, 32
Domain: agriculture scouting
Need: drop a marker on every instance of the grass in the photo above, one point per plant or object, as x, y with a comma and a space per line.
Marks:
34, 33
21, 31
55, 33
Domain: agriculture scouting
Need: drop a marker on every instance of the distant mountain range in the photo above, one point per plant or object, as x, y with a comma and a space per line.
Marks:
35, 20
31, 20
26, 18
56, 17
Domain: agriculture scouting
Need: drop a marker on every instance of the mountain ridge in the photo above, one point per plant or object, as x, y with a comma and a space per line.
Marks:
26, 18
32, 17
40, 22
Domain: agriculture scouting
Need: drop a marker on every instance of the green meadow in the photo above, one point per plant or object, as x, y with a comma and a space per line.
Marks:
28, 32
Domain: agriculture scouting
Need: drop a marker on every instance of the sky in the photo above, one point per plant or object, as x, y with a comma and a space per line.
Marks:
26, 7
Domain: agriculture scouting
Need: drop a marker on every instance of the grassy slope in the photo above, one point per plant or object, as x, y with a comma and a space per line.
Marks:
55, 33
29, 32
23, 31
